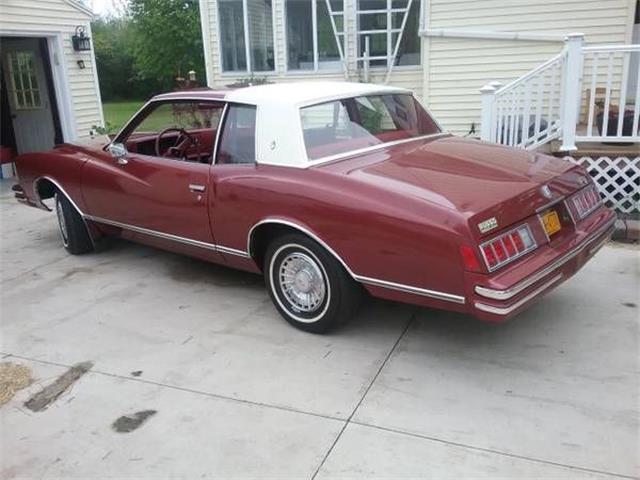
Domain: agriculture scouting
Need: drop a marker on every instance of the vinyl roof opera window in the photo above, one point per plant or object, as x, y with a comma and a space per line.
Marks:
390, 27
315, 34
246, 35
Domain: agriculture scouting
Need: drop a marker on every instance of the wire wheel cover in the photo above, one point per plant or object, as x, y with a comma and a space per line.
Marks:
301, 282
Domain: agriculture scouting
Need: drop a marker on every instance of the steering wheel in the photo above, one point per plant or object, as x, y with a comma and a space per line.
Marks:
184, 140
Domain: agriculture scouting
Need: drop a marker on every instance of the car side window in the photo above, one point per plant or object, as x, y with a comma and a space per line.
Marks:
179, 130
238, 140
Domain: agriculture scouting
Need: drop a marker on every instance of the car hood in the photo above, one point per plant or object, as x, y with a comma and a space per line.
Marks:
469, 176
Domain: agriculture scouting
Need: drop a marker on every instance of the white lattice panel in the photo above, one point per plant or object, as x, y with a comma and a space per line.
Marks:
618, 180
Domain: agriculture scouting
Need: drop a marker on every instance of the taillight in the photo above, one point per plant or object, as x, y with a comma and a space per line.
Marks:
586, 201
507, 247
469, 258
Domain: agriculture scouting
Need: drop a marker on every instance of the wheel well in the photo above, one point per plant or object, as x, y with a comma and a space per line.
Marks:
263, 235
45, 189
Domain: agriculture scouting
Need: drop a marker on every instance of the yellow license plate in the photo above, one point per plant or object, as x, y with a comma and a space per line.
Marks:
551, 222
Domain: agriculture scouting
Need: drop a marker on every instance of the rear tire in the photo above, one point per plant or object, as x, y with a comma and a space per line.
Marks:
73, 231
308, 286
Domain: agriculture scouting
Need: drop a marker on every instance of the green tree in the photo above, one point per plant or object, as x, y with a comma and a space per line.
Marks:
168, 40
114, 57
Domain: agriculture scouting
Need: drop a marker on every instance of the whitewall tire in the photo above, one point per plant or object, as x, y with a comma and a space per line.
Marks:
308, 286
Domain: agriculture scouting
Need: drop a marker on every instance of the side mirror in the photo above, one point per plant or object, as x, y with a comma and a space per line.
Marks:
119, 152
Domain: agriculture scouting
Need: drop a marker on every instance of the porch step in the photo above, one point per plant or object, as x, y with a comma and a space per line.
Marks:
591, 149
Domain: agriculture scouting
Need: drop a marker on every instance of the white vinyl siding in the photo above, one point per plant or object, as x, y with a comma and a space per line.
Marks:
453, 70
59, 17
458, 67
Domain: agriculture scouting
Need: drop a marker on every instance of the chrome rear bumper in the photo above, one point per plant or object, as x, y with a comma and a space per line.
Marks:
589, 244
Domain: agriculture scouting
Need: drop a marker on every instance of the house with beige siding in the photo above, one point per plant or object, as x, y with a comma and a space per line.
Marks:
49, 89
443, 50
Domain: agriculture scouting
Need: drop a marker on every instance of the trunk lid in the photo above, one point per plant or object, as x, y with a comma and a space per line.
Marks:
479, 180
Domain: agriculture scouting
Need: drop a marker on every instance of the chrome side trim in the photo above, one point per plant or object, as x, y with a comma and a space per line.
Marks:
519, 287
169, 236
359, 278
448, 297
304, 230
507, 310
232, 251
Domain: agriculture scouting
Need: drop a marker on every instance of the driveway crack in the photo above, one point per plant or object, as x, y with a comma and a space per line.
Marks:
364, 395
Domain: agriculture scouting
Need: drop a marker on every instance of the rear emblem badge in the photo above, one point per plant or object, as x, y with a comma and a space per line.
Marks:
488, 224
546, 191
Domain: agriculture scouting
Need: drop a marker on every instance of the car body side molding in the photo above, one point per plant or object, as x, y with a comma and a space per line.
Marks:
169, 236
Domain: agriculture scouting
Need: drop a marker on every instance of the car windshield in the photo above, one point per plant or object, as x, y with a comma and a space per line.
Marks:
350, 124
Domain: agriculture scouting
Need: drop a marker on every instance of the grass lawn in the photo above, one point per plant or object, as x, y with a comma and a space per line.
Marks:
116, 114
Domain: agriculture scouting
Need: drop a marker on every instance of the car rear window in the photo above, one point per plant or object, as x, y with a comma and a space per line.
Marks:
350, 124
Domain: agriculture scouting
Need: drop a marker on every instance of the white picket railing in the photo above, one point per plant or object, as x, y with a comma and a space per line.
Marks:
527, 112
547, 103
614, 117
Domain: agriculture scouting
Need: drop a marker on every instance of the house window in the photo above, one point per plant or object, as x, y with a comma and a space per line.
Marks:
315, 34
246, 35
393, 39
24, 80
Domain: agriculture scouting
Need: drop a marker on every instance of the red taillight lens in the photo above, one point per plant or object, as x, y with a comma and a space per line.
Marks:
586, 200
507, 247
517, 241
469, 258
508, 244
489, 256
500, 251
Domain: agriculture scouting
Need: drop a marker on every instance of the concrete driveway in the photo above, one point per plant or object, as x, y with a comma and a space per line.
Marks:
399, 392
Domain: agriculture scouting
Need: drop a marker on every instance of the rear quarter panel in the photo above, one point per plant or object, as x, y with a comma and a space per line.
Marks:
377, 233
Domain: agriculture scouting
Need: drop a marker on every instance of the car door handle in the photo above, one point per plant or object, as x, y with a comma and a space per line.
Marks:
196, 188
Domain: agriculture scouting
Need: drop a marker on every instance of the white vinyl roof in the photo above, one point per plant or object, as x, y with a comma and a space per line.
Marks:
279, 138
306, 93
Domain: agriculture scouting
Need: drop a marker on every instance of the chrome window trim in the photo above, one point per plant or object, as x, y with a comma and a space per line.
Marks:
507, 310
519, 287
223, 119
116, 138
511, 259
372, 148
449, 297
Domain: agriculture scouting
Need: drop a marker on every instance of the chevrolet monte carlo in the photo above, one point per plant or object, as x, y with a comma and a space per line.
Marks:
328, 190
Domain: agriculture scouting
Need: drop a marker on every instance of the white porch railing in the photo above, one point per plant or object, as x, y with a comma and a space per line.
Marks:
585, 94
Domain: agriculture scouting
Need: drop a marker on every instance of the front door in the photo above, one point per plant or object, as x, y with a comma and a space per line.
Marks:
28, 94
161, 187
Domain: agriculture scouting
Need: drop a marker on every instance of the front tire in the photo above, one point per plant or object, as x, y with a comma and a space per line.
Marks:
73, 231
308, 286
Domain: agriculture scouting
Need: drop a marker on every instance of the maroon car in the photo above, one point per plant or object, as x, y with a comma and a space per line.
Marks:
328, 189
